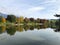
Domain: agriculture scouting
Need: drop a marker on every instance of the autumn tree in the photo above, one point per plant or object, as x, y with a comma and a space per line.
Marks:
21, 19
3, 20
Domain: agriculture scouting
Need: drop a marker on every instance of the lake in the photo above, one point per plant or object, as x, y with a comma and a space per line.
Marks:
29, 35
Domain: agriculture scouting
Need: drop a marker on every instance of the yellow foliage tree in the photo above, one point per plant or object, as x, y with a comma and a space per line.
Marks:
21, 19
3, 20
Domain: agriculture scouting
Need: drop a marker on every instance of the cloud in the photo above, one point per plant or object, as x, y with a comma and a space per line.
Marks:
32, 8
50, 1
14, 10
35, 9
58, 11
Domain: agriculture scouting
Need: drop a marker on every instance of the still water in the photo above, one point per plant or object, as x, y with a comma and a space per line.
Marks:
28, 35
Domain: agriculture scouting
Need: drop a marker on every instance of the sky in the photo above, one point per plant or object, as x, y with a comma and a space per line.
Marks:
45, 9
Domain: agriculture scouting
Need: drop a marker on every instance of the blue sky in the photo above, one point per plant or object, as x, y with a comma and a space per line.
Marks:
31, 8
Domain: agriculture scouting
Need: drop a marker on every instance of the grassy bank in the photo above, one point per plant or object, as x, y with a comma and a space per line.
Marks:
1, 24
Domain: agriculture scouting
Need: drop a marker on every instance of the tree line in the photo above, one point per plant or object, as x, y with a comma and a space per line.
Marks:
21, 19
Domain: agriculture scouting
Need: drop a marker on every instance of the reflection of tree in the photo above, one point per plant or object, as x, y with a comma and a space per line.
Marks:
57, 23
26, 27
2, 29
57, 30
38, 27
57, 26
11, 30
43, 26
31, 27
20, 28
52, 23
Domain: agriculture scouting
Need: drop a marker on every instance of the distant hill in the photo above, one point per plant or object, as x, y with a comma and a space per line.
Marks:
4, 15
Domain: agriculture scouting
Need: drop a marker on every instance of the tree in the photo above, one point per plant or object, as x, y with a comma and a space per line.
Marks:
21, 19
32, 19
11, 18
38, 20
18, 20
0, 18
3, 20
26, 20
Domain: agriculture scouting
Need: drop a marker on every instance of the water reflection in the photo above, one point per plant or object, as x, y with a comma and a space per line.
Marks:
11, 30
57, 24
2, 29
57, 29
35, 35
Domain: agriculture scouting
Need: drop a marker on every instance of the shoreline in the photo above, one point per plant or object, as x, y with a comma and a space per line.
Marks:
13, 24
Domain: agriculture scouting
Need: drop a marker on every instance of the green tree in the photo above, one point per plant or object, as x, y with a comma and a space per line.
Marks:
26, 20
0, 18
32, 19
11, 18
38, 20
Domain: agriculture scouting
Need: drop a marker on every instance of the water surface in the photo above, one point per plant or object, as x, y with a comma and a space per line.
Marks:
28, 36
